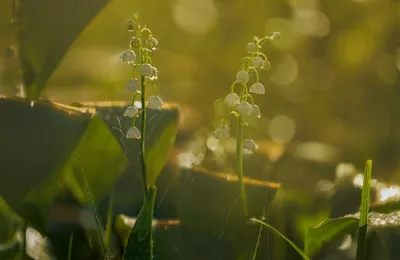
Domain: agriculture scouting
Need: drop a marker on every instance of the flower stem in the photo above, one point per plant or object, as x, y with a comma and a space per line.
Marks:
144, 123
239, 162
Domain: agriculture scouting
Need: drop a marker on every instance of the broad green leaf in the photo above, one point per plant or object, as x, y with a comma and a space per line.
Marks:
158, 151
46, 29
326, 232
162, 128
140, 241
99, 156
45, 144
36, 139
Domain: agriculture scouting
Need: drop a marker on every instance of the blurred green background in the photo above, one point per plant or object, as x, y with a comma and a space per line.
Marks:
332, 92
334, 76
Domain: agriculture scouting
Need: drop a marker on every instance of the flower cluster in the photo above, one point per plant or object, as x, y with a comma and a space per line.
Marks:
143, 73
240, 99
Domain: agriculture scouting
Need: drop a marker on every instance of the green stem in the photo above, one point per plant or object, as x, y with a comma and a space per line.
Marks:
239, 162
144, 123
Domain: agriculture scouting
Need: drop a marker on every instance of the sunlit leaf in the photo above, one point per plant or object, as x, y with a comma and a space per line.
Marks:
326, 232
46, 29
162, 128
364, 210
158, 151
101, 159
140, 241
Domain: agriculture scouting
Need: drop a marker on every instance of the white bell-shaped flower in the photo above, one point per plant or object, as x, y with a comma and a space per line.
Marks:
133, 133
152, 43
242, 77
255, 111
251, 47
128, 57
222, 132
146, 70
244, 108
266, 65
134, 42
133, 85
232, 99
257, 88
131, 111
131, 26
155, 102
250, 146
257, 62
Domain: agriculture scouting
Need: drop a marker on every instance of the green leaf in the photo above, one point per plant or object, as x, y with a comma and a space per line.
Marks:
326, 232
364, 210
100, 157
62, 140
158, 151
46, 29
301, 253
162, 128
140, 242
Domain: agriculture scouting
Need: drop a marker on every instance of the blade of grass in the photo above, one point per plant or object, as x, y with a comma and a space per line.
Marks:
96, 217
364, 210
301, 253
71, 241
258, 238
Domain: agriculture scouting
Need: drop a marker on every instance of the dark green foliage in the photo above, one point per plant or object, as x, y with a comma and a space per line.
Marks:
140, 241
46, 29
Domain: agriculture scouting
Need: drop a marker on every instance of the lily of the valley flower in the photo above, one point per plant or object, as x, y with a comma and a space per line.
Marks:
257, 62
249, 145
131, 111
242, 77
133, 133
244, 108
255, 111
128, 57
222, 132
251, 47
146, 70
133, 85
155, 102
257, 88
232, 99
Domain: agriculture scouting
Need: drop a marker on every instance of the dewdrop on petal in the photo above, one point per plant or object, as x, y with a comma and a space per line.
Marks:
133, 133
146, 70
257, 88
251, 47
222, 132
250, 146
128, 57
244, 108
255, 111
232, 99
257, 62
242, 77
133, 85
131, 111
155, 102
